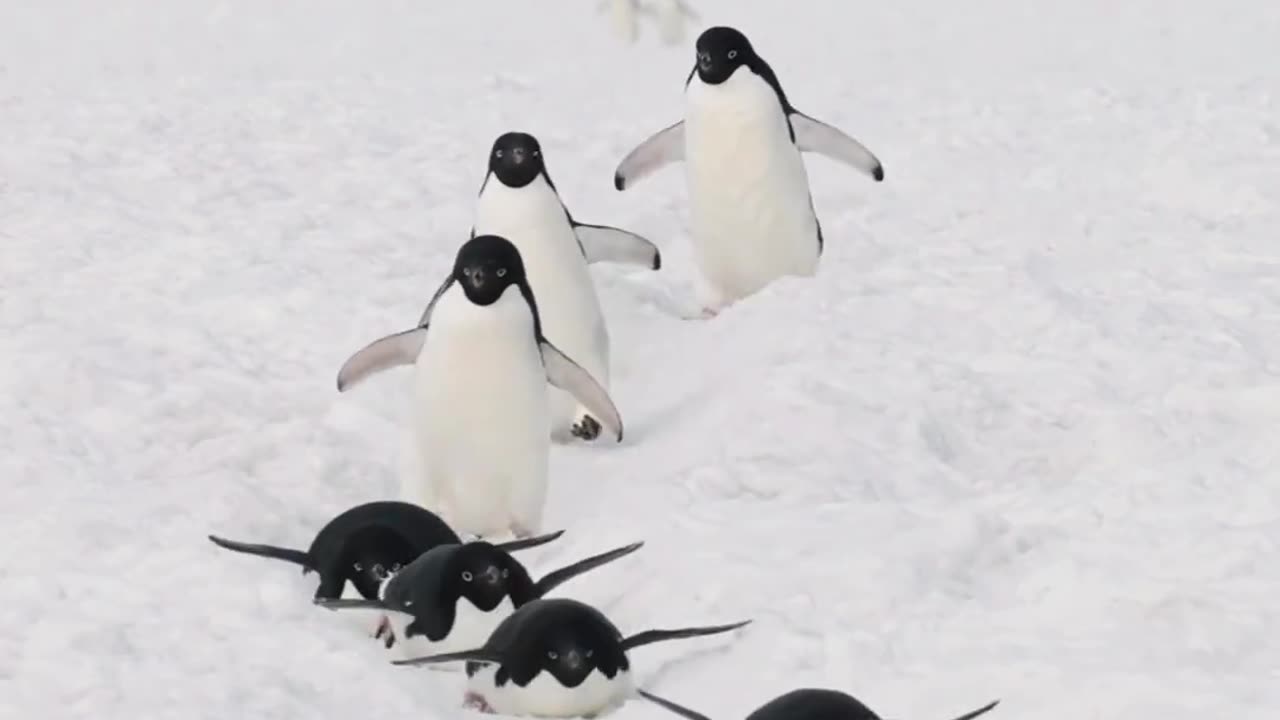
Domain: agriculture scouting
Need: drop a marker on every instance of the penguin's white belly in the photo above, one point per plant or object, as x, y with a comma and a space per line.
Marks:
544, 696
534, 221
471, 628
750, 209
481, 415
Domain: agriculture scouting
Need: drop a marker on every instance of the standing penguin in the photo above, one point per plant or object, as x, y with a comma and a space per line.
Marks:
426, 597
752, 215
556, 657
805, 704
518, 201
481, 416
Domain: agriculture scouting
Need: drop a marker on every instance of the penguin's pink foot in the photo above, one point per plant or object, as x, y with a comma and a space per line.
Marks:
476, 701
384, 628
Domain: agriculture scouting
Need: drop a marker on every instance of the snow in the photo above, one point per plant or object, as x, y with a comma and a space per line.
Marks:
1016, 440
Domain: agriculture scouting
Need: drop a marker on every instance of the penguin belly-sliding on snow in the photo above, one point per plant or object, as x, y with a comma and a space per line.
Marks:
806, 704
453, 597
556, 658
481, 421
519, 202
741, 140
356, 551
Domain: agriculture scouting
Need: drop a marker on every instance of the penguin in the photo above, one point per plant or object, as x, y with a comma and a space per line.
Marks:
805, 704
741, 139
555, 657
429, 592
481, 416
518, 201
359, 548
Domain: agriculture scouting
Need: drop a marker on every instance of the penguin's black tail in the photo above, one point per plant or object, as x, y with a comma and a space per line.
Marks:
653, 636
296, 557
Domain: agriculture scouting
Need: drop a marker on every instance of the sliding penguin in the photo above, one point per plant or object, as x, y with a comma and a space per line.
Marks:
481, 415
556, 658
518, 201
362, 546
752, 215
431, 590
805, 704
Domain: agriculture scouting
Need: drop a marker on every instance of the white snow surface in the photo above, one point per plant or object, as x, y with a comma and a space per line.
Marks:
1017, 439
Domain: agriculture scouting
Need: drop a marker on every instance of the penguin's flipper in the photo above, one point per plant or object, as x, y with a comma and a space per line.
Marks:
528, 542
673, 707
653, 636
426, 314
601, 243
391, 351
555, 578
818, 137
569, 376
350, 604
975, 713
477, 655
662, 148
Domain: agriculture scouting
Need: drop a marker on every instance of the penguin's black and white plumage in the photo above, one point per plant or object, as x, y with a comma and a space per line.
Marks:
556, 657
518, 201
480, 402
356, 551
453, 596
741, 140
805, 704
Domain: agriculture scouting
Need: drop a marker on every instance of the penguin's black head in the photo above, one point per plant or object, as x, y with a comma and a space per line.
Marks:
483, 574
516, 158
486, 265
570, 654
374, 555
720, 51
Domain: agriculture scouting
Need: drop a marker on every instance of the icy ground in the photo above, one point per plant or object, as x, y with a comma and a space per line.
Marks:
1019, 438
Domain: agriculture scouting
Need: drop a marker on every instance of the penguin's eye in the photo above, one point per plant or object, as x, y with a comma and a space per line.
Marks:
536, 153
408, 603
552, 654
466, 576
395, 568
358, 567
502, 272
733, 54
589, 652
497, 153
505, 572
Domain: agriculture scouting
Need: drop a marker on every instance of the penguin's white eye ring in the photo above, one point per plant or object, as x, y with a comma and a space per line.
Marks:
502, 272
552, 654
506, 573
358, 567
733, 54
466, 576
536, 153
589, 652
408, 603
395, 568
497, 153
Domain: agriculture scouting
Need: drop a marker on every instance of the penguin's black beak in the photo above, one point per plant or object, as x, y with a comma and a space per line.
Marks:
491, 576
476, 276
518, 155
573, 660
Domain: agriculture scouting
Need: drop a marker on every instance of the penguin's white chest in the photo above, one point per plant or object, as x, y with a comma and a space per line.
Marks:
544, 696
471, 628
480, 404
751, 213
533, 219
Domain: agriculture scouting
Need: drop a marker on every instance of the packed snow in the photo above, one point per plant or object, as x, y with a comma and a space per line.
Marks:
1017, 439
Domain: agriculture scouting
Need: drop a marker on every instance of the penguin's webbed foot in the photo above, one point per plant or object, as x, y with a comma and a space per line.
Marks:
587, 428
476, 701
384, 628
